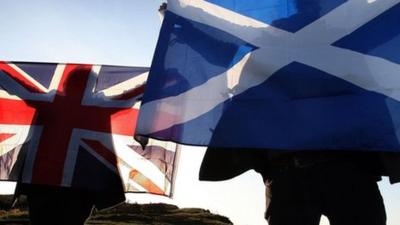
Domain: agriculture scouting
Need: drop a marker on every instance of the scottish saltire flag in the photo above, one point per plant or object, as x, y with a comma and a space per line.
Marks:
72, 125
316, 74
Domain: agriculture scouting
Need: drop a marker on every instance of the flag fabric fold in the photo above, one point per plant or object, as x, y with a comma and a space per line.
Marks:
290, 75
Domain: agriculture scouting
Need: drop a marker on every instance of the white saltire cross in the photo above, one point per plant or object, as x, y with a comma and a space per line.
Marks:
277, 48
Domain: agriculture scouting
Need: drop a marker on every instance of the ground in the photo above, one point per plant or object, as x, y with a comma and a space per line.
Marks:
125, 214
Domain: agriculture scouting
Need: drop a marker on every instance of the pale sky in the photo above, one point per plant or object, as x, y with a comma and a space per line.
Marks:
124, 32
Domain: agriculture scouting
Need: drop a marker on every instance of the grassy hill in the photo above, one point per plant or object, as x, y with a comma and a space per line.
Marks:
125, 214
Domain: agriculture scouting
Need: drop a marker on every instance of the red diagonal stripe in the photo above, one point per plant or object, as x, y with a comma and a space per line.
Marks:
103, 151
135, 175
19, 78
145, 182
5, 136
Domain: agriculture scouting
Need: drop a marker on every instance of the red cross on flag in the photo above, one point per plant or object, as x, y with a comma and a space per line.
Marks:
72, 125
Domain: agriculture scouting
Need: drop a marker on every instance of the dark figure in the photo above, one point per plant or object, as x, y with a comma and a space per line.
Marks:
50, 204
301, 186
65, 206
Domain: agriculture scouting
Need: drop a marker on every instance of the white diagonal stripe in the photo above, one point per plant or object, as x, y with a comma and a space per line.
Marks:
343, 20
13, 86
126, 85
277, 48
21, 135
117, 143
4, 94
245, 28
21, 72
137, 161
101, 99
93, 152
55, 80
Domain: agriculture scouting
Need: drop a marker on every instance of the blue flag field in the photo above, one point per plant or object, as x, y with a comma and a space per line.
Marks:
277, 74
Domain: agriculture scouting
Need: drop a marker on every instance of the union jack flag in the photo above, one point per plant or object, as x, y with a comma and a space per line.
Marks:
72, 125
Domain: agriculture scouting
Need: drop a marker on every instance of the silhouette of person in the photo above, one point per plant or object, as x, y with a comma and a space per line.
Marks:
303, 185
52, 204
